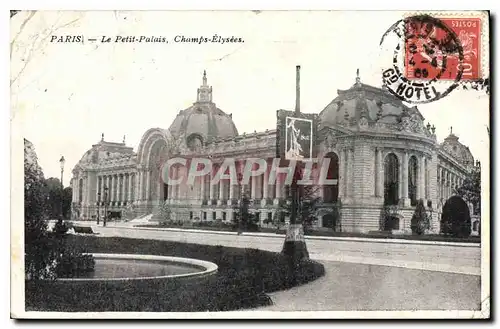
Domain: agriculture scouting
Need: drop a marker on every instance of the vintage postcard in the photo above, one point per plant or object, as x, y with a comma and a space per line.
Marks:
250, 164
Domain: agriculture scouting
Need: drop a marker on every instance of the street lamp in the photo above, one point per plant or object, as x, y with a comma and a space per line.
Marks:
105, 205
98, 203
61, 163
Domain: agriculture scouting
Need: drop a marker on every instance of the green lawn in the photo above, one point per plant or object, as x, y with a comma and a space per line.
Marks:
243, 277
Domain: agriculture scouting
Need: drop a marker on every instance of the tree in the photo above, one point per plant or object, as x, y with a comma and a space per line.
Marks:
470, 190
279, 217
54, 198
308, 206
39, 254
244, 219
45, 254
67, 200
165, 212
420, 220
455, 219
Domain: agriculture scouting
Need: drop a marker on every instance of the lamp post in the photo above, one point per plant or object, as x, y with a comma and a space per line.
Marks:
105, 205
98, 203
61, 163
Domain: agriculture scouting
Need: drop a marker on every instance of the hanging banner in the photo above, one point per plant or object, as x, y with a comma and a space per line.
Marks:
295, 135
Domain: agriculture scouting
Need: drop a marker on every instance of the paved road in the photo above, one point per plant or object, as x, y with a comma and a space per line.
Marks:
360, 287
443, 258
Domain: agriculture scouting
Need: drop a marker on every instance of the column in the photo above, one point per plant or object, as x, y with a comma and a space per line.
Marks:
84, 195
122, 188
342, 174
439, 182
202, 187
178, 186
454, 184
279, 187
349, 180
104, 183
148, 183
446, 184
379, 187
97, 187
130, 175
232, 190
140, 182
265, 183
101, 190
421, 177
133, 191
117, 187
449, 185
136, 185
212, 186
110, 181
110, 188
405, 180
221, 190
427, 176
443, 184
75, 189
425, 191
125, 187
159, 188
254, 187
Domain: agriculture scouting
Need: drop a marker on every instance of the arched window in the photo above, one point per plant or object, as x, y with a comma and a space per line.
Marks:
165, 191
412, 180
391, 180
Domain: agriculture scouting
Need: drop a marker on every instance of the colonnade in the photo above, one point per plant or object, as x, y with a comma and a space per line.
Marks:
120, 187
448, 181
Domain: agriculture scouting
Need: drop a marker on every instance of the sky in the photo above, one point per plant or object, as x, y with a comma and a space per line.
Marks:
64, 95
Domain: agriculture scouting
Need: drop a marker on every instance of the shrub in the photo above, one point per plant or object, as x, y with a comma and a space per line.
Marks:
60, 228
420, 220
73, 263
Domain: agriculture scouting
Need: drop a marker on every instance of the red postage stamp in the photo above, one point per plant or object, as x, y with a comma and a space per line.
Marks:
443, 51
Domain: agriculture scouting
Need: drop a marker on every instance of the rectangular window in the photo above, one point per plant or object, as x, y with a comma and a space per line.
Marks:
214, 215
224, 216
190, 215
270, 216
204, 215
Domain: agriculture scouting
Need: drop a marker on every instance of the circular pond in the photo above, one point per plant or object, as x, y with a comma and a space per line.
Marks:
118, 267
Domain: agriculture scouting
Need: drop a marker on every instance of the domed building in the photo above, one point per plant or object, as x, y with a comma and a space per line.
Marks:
381, 152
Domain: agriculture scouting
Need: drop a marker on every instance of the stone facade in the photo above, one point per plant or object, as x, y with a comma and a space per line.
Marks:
384, 157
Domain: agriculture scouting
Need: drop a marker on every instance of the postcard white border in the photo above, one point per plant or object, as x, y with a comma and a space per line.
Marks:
16, 200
